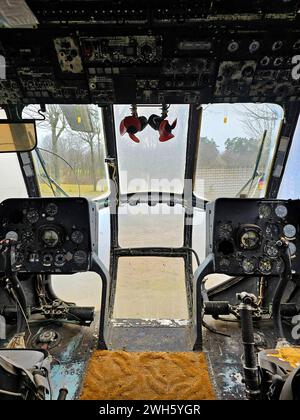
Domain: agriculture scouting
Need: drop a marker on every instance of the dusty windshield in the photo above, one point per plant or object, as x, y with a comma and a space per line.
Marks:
152, 164
71, 151
236, 150
237, 144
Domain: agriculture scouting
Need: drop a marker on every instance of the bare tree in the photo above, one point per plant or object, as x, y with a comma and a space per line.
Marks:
56, 122
259, 118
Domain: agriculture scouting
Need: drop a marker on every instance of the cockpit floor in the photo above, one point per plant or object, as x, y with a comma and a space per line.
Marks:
120, 375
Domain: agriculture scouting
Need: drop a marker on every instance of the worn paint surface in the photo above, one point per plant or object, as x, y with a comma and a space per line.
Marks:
68, 376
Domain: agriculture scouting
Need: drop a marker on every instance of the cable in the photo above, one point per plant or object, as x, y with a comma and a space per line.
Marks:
12, 394
195, 254
213, 330
283, 281
25, 318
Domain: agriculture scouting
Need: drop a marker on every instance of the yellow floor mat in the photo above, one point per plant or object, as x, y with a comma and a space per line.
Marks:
120, 375
290, 355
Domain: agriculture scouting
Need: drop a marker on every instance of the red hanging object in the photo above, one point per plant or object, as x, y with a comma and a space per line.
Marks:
132, 125
165, 130
160, 124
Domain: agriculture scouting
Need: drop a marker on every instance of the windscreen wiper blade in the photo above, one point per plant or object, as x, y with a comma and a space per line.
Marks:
50, 180
255, 172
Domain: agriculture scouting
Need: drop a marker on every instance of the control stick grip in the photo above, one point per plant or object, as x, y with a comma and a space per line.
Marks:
62, 395
83, 314
216, 308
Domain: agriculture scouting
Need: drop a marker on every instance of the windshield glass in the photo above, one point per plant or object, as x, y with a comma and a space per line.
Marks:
290, 185
71, 152
152, 165
11, 186
236, 149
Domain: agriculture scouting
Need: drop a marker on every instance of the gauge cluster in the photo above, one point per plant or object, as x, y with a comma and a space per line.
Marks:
53, 235
246, 236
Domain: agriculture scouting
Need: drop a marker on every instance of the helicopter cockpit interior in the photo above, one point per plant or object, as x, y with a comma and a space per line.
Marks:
149, 200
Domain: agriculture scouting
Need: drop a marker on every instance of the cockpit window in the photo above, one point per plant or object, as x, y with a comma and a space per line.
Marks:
237, 144
155, 163
71, 152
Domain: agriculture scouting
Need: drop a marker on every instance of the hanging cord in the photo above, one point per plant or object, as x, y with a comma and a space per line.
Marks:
195, 254
134, 112
213, 330
17, 292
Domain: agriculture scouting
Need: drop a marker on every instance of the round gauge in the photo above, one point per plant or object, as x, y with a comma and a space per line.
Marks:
50, 238
271, 249
225, 231
77, 237
289, 231
59, 259
265, 265
47, 259
249, 265
272, 230
249, 238
27, 236
32, 216
51, 209
264, 211
224, 263
292, 248
80, 257
281, 211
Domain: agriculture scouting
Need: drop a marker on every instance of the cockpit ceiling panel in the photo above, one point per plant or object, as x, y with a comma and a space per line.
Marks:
189, 65
156, 12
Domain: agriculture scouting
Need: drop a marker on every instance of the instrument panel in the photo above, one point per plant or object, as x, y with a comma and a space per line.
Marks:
52, 235
169, 63
247, 236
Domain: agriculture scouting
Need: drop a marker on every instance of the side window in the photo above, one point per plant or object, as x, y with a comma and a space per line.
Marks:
236, 149
71, 151
10, 186
290, 186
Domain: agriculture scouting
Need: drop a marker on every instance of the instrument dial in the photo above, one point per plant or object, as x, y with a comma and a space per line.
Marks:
289, 231
224, 263
264, 211
80, 257
225, 231
50, 238
51, 209
59, 260
249, 265
32, 216
47, 260
271, 249
265, 265
77, 237
27, 237
272, 230
281, 211
249, 238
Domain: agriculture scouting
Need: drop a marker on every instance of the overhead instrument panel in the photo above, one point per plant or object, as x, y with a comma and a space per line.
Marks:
247, 236
52, 235
171, 63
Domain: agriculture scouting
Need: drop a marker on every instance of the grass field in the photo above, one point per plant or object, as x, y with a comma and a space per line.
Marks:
72, 190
